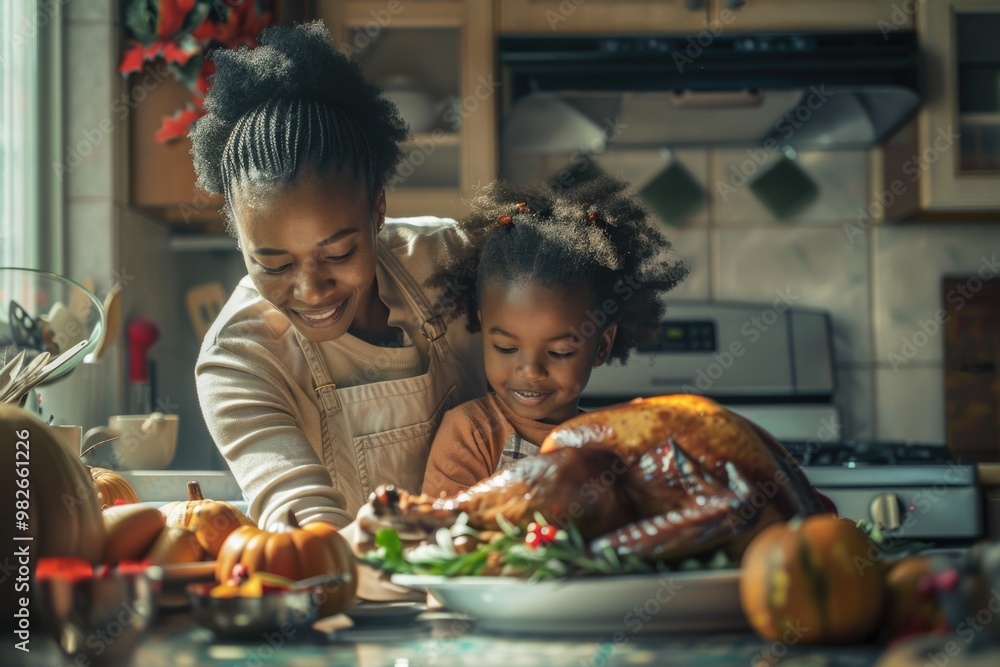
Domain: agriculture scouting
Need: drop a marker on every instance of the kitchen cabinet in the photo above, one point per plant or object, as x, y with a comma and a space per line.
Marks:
608, 16
436, 61
795, 15
959, 130
948, 160
161, 176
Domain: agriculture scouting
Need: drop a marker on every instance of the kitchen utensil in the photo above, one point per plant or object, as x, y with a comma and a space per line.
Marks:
142, 334
24, 328
204, 303
113, 319
101, 617
27, 298
320, 581
10, 372
292, 612
61, 327
40, 369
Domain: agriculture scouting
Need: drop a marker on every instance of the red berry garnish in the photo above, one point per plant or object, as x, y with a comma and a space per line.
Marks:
548, 533
947, 581
240, 572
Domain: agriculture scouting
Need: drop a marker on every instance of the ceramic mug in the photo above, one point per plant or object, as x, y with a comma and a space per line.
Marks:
141, 442
71, 436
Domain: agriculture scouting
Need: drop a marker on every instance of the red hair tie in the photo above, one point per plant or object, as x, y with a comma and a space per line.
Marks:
507, 219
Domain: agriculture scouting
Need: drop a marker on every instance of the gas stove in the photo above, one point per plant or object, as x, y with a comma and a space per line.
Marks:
774, 364
912, 490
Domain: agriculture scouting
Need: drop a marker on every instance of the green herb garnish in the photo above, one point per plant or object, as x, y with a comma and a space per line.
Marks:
506, 553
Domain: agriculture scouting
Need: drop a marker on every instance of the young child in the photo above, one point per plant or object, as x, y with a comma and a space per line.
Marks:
558, 283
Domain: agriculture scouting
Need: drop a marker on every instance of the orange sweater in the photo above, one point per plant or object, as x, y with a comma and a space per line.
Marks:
477, 439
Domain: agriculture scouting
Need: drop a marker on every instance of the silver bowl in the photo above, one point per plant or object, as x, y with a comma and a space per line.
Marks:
288, 613
100, 618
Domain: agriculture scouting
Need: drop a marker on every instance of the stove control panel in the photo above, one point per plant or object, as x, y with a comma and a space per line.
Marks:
931, 512
680, 336
886, 511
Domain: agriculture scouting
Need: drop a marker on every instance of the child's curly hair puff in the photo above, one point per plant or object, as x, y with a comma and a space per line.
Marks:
595, 236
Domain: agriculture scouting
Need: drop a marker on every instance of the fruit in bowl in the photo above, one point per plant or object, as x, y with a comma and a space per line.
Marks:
243, 584
248, 604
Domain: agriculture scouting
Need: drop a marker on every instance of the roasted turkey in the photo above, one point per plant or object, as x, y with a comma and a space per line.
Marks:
663, 478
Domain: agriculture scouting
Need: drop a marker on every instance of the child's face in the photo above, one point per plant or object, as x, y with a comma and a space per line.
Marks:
310, 251
537, 359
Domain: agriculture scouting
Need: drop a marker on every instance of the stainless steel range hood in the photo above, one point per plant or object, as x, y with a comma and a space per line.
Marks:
804, 91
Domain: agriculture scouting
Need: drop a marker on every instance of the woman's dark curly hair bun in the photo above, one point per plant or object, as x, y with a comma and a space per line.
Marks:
293, 102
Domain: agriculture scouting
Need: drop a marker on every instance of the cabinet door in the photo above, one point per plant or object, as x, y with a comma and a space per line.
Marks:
790, 15
436, 61
959, 160
605, 16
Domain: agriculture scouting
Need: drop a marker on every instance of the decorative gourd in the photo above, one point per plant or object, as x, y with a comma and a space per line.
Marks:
175, 544
211, 520
818, 579
57, 495
112, 487
52, 493
911, 605
294, 552
131, 531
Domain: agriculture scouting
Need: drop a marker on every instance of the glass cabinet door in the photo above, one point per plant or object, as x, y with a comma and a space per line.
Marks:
435, 61
959, 159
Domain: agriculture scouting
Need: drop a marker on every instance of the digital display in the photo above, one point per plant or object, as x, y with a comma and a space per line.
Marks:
694, 336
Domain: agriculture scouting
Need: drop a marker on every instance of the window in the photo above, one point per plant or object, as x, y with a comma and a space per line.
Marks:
20, 25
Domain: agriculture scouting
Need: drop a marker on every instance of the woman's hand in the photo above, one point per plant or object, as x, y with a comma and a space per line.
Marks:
360, 534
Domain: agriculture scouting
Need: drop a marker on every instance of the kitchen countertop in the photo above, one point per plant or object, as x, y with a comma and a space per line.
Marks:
441, 640
161, 486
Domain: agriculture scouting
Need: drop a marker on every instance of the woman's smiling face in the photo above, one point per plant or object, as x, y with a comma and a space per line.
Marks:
310, 252
537, 361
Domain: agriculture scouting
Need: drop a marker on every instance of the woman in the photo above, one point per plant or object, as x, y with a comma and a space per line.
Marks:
327, 372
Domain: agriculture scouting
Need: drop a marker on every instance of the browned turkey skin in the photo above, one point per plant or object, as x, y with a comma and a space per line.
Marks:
663, 478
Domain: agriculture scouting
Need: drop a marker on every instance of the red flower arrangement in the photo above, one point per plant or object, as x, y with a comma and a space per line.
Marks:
182, 33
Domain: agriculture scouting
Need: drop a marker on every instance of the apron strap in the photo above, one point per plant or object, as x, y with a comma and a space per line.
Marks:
325, 389
433, 327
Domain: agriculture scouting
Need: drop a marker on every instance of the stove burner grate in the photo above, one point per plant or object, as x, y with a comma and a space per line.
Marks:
845, 453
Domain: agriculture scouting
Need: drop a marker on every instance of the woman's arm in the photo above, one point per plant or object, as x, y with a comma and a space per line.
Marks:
251, 414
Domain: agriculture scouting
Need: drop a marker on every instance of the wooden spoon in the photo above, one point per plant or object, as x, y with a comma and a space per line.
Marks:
112, 322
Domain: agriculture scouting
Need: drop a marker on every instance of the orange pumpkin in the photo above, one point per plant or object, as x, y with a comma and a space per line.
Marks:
294, 552
211, 520
910, 610
112, 487
812, 581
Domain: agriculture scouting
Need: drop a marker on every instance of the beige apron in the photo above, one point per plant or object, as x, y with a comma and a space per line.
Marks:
389, 425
